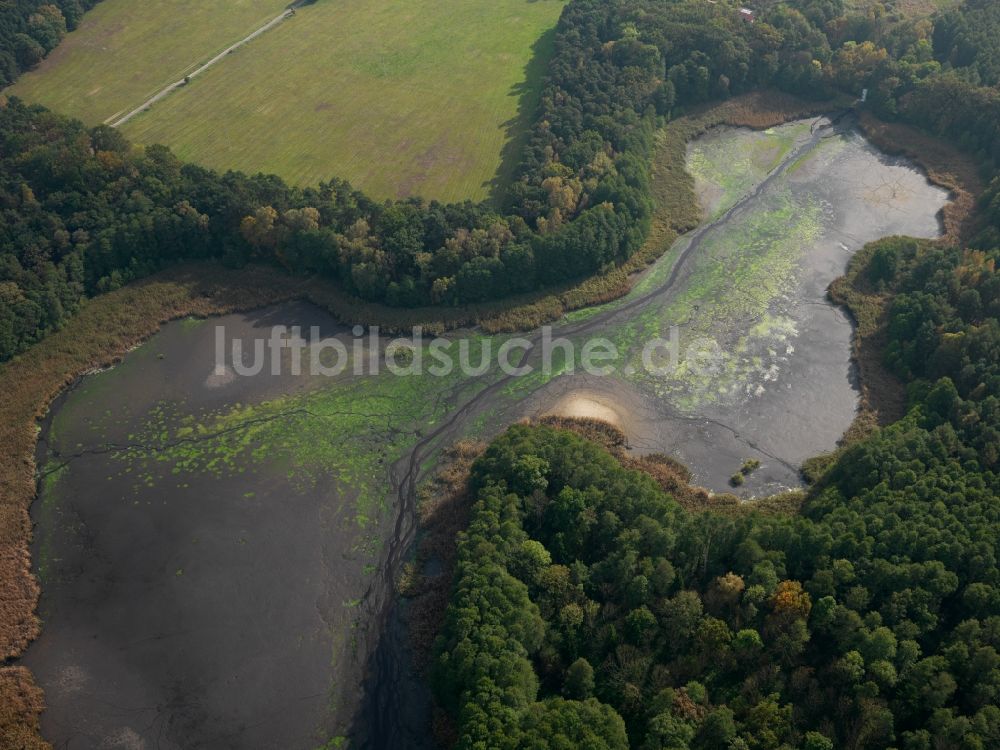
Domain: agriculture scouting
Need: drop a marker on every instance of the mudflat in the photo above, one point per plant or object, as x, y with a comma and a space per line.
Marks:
216, 551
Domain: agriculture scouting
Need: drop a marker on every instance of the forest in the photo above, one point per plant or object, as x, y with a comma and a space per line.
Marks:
590, 609
84, 212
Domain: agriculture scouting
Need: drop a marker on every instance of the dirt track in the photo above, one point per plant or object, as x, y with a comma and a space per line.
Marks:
167, 90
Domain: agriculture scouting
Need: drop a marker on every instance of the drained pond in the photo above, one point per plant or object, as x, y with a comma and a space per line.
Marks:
216, 550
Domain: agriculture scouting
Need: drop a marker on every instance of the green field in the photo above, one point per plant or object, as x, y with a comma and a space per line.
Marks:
124, 52
401, 97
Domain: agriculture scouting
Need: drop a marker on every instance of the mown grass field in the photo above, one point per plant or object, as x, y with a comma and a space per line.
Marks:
401, 97
125, 51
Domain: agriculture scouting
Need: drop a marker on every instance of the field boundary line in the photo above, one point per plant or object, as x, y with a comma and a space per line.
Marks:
170, 88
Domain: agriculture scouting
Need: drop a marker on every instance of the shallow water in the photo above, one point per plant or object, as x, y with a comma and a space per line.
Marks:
182, 608
217, 552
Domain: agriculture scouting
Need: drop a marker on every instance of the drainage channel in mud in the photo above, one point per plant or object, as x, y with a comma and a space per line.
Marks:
217, 553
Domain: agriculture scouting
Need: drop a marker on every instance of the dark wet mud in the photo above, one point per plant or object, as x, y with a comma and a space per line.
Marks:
185, 609
217, 552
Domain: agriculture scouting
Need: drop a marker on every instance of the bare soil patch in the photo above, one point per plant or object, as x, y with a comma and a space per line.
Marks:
944, 164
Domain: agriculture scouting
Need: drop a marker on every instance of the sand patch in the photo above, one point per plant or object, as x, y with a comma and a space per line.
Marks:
709, 195
125, 738
72, 679
221, 375
586, 406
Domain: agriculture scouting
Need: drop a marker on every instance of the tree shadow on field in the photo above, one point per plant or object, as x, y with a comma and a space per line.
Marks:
518, 128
